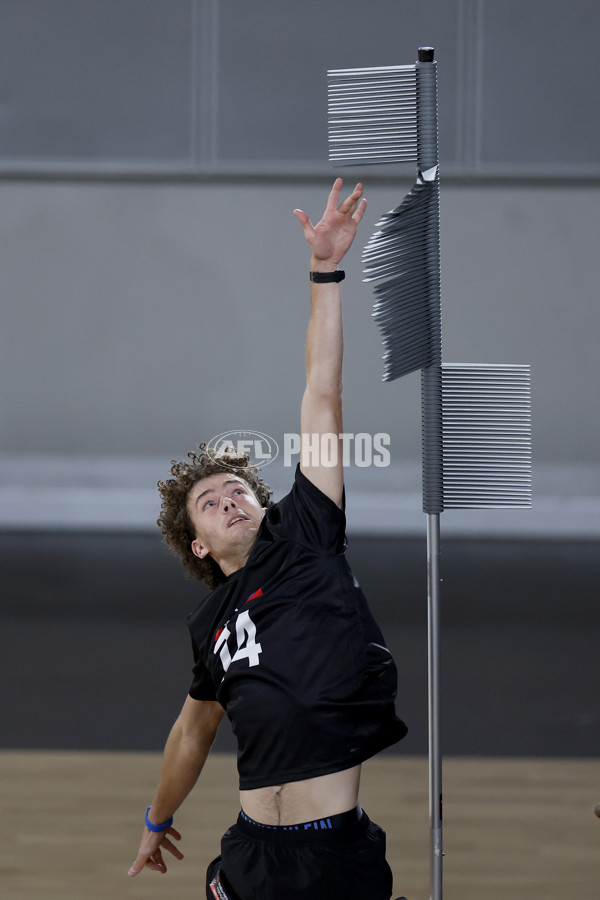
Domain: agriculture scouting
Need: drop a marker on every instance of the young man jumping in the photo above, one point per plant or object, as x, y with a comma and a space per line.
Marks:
285, 644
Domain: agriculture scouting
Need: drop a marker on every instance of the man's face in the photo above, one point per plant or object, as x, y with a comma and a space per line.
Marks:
226, 516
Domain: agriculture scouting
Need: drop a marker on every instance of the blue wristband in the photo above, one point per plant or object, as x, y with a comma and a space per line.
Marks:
154, 827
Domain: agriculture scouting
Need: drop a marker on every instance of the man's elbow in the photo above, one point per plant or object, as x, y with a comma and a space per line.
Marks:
324, 395
199, 721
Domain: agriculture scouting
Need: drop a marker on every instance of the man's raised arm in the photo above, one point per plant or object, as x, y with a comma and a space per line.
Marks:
321, 412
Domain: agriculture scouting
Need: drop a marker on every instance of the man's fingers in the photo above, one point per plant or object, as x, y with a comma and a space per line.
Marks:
138, 865
153, 859
156, 862
302, 217
157, 865
172, 848
306, 224
334, 195
360, 210
350, 202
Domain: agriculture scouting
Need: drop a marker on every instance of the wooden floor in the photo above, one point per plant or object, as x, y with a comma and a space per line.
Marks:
513, 829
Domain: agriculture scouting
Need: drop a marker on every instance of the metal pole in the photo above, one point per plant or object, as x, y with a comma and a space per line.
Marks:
435, 753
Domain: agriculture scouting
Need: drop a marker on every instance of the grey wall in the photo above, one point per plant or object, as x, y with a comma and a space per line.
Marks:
143, 317
153, 277
176, 86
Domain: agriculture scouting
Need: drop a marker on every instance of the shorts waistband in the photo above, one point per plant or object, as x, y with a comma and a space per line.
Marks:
326, 828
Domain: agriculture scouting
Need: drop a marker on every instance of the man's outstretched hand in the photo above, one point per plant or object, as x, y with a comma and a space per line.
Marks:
330, 238
149, 854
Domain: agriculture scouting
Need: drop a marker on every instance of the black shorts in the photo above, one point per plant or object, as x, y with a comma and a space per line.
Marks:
312, 861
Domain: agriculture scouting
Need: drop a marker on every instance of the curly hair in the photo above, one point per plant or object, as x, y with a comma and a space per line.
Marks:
174, 520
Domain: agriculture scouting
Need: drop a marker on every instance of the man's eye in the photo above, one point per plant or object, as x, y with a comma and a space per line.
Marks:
239, 491
208, 503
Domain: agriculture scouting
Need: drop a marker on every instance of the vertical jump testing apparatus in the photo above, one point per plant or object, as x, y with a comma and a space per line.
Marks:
476, 419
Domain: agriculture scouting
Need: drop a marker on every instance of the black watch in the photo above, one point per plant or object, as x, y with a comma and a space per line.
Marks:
327, 277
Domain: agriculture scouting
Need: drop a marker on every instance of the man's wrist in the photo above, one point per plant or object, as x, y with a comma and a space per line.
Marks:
156, 826
322, 265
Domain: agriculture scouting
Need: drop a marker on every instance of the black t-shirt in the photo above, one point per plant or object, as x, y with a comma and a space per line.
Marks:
290, 649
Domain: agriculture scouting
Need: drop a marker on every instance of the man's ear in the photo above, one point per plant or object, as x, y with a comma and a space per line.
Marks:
198, 550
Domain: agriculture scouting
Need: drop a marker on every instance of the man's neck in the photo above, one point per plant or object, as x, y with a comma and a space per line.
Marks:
233, 563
